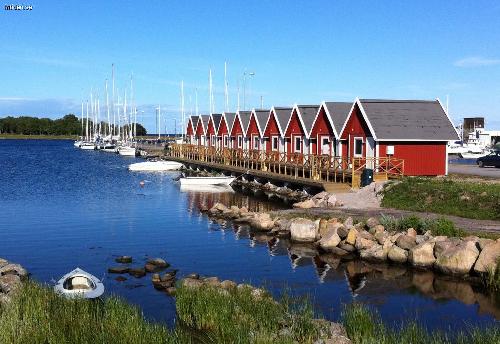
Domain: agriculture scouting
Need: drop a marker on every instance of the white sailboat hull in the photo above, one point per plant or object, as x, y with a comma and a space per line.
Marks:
79, 283
206, 180
127, 151
87, 146
155, 166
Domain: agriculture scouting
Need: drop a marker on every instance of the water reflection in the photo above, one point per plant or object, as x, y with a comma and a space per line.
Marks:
363, 279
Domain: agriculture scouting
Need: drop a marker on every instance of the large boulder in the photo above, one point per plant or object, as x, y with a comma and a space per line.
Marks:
406, 242
323, 227
397, 254
303, 230
331, 201
422, 255
308, 203
330, 240
443, 245
262, 222
375, 252
14, 269
458, 259
372, 222
488, 258
351, 236
364, 240
9, 283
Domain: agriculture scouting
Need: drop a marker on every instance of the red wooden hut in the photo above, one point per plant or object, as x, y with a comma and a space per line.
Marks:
255, 129
213, 124
240, 127
416, 131
227, 121
200, 133
274, 135
297, 128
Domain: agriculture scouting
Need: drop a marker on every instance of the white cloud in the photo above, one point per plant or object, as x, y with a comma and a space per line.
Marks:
476, 61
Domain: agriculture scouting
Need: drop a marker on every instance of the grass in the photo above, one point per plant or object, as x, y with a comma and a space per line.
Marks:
473, 200
366, 327
37, 137
235, 316
439, 226
492, 278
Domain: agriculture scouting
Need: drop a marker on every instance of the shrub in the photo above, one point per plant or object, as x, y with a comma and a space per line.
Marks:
446, 227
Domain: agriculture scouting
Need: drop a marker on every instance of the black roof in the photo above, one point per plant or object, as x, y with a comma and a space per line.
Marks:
204, 121
283, 115
308, 114
230, 116
245, 119
216, 118
338, 111
261, 117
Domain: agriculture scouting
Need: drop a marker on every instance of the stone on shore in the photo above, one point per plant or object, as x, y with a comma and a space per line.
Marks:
422, 255
303, 230
118, 270
14, 269
124, 259
372, 222
488, 258
458, 259
351, 236
9, 283
262, 222
307, 204
137, 272
406, 242
330, 240
397, 254
375, 252
159, 262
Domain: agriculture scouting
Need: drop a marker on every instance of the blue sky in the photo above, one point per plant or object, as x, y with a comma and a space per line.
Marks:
300, 52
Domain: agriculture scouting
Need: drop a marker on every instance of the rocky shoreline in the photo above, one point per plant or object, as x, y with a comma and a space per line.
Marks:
11, 277
369, 240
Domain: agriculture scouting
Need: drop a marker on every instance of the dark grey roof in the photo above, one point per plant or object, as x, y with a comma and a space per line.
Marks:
283, 115
245, 119
194, 120
339, 111
308, 114
408, 120
217, 118
229, 119
261, 116
205, 119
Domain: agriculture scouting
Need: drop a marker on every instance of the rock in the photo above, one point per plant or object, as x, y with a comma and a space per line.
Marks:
364, 244
381, 237
348, 222
193, 276
331, 333
422, 255
14, 269
320, 196
212, 281
330, 240
397, 254
411, 232
118, 269
303, 230
158, 262
227, 284
171, 290
191, 282
3, 262
482, 242
406, 242
351, 236
420, 239
124, 259
488, 258
347, 247
375, 252
443, 245
372, 222
342, 231
152, 268
155, 278
457, 259
331, 201
395, 237
323, 227
120, 279
307, 204
167, 277
137, 272
219, 207
377, 229
262, 222
9, 283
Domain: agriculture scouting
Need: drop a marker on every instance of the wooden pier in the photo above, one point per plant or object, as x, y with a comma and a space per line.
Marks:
333, 174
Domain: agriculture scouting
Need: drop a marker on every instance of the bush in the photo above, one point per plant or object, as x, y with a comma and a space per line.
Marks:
446, 227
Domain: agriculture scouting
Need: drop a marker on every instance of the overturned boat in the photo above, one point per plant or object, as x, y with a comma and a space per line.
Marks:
79, 283
221, 180
158, 166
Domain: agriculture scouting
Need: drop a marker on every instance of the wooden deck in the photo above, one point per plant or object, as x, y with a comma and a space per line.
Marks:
324, 171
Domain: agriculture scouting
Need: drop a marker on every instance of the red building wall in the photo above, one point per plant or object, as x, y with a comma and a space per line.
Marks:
199, 132
210, 132
271, 130
294, 129
355, 127
321, 128
236, 131
189, 130
420, 158
252, 131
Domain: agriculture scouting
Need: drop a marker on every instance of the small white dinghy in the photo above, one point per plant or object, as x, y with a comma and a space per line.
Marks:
79, 283
222, 180
160, 165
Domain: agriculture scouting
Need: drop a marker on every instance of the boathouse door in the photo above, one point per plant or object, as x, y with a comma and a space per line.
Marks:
370, 152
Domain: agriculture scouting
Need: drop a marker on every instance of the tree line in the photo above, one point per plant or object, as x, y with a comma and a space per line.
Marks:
68, 125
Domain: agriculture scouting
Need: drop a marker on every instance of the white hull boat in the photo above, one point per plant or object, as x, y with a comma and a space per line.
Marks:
155, 166
471, 155
207, 188
223, 180
79, 283
127, 151
87, 146
77, 144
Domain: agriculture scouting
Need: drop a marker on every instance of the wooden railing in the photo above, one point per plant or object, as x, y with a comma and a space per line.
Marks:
317, 167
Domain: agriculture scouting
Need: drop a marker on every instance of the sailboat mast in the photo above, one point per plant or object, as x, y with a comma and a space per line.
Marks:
87, 126
132, 134
210, 90
182, 108
118, 115
113, 97
125, 125
159, 122
196, 101
82, 119
107, 109
226, 94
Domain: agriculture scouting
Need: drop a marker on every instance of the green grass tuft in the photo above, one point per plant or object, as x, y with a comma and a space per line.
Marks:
473, 200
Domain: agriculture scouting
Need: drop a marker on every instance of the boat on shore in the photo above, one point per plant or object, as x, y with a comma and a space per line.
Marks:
211, 189
79, 283
220, 180
156, 166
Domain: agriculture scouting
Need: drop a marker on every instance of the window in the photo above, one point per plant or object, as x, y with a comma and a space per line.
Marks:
274, 141
325, 145
255, 142
213, 140
297, 144
358, 146
240, 141
225, 141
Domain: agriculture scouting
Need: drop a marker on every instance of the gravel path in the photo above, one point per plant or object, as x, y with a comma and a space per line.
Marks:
474, 170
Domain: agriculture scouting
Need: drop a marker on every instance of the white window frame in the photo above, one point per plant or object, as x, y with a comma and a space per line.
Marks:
225, 140
255, 142
213, 140
297, 139
322, 138
356, 155
240, 141
273, 148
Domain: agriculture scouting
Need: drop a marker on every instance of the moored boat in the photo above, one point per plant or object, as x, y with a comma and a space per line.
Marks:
127, 151
79, 283
160, 165
87, 146
221, 180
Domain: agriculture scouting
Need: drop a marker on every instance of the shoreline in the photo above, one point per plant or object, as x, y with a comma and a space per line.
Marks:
37, 137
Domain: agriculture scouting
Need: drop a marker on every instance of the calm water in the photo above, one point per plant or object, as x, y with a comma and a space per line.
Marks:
61, 207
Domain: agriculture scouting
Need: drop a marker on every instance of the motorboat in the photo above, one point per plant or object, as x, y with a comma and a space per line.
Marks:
219, 180
109, 148
87, 146
207, 188
160, 165
474, 155
78, 143
127, 151
79, 283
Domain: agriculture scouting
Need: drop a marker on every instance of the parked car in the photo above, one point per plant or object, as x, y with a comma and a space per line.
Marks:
492, 159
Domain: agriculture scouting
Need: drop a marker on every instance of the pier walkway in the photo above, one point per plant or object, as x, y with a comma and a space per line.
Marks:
331, 173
